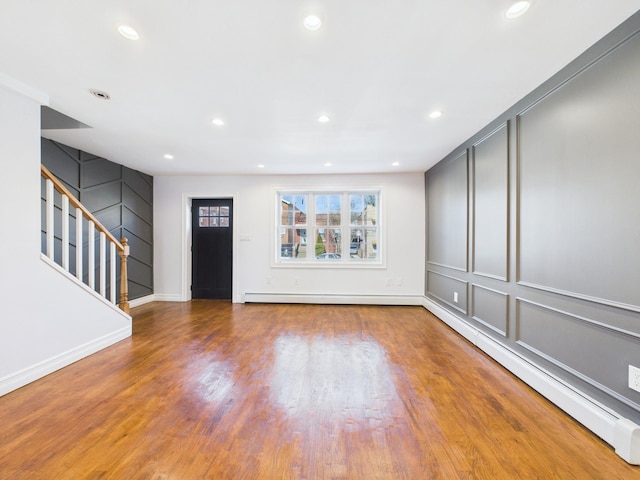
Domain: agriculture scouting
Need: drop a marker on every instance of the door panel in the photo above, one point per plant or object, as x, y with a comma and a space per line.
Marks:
212, 251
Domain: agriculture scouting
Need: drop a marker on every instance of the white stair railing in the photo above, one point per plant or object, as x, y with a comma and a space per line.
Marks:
115, 247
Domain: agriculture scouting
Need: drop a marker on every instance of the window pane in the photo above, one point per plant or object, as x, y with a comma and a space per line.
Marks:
213, 221
300, 217
293, 210
203, 211
328, 210
328, 246
213, 211
204, 221
293, 243
364, 243
370, 210
224, 211
363, 209
356, 208
224, 221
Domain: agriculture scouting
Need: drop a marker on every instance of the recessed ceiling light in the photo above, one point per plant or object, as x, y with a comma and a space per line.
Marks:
327, 164
102, 95
517, 9
260, 165
395, 164
218, 121
435, 114
128, 32
323, 119
312, 22
168, 156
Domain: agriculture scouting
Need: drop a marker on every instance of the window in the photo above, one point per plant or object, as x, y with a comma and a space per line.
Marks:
328, 227
213, 217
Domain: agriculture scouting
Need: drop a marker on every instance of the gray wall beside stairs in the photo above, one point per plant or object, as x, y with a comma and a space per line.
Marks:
119, 197
533, 224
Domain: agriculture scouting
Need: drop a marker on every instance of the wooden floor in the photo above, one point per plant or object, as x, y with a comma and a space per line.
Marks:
212, 390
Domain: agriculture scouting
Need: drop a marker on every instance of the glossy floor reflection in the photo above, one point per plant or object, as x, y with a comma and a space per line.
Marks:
334, 379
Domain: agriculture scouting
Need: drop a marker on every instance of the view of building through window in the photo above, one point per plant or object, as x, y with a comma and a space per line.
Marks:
328, 226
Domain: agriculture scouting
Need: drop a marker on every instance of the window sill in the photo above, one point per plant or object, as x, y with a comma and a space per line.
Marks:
329, 264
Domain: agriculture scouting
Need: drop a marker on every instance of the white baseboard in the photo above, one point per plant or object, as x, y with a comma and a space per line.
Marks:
168, 297
142, 300
619, 432
39, 370
333, 299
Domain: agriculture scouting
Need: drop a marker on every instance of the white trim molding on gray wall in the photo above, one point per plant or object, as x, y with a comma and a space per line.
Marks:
622, 434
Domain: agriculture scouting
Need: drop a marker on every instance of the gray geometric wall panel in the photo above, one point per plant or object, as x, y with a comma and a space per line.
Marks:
119, 197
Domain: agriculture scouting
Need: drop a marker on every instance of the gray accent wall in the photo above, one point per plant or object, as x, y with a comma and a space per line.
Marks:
533, 224
119, 197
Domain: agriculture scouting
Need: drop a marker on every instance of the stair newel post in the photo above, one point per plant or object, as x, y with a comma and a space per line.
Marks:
124, 283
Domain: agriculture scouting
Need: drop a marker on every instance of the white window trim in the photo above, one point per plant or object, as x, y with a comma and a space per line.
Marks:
277, 262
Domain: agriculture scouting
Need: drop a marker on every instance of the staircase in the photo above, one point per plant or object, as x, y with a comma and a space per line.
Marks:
68, 226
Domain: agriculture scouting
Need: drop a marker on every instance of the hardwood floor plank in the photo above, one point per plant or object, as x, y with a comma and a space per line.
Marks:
208, 389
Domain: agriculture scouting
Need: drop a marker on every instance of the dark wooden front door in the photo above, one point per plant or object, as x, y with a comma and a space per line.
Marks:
212, 248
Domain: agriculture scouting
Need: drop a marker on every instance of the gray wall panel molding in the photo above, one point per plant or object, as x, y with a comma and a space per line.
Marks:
571, 72
99, 171
112, 193
567, 340
137, 204
111, 218
448, 198
143, 249
588, 298
578, 318
570, 257
133, 223
139, 182
573, 167
490, 214
436, 264
64, 164
491, 308
91, 188
102, 197
443, 287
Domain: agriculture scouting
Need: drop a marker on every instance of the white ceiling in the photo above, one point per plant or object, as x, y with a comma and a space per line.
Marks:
377, 68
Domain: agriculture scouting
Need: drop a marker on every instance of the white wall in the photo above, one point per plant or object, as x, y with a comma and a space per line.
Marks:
404, 227
48, 321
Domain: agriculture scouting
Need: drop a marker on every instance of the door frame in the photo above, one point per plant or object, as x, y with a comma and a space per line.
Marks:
187, 257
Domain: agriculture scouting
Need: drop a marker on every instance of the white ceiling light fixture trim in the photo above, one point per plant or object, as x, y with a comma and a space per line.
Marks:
518, 9
312, 22
217, 122
324, 118
260, 165
327, 164
396, 164
128, 32
168, 156
101, 94
435, 114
